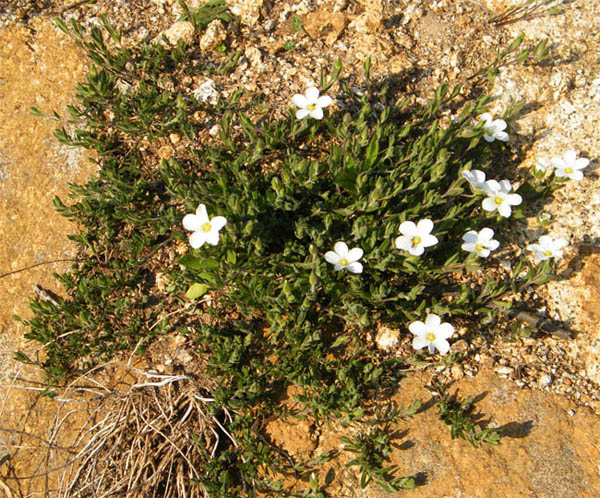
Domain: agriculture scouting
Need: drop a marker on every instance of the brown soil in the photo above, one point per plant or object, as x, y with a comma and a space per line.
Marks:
543, 391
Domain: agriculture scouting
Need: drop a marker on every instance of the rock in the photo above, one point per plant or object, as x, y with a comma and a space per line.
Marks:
325, 24
247, 10
215, 33
545, 380
179, 31
387, 338
206, 92
254, 56
371, 19
457, 371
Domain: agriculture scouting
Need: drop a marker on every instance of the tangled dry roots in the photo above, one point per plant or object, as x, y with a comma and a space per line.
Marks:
145, 441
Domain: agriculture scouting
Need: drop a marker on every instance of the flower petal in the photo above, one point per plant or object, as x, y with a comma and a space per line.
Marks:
218, 222
419, 342
317, 113
581, 163
341, 249
332, 257
468, 246
424, 227
432, 322
429, 240
212, 237
338, 267
514, 199
408, 228
444, 331
403, 242
417, 328
485, 234
197, 239
489, 204
416, 250
302, 113
299, 100
501, 135
471, 237
202, 214
191, 222
488, 138
355, 267
355, 254
492, 245
312, 94
505, 210
570, 157
498, 125
441, 345
324, 101
492, 186
576, 176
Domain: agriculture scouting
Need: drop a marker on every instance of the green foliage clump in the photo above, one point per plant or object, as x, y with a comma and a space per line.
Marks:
279, 315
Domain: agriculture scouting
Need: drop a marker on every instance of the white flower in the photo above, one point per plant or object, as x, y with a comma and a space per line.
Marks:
205, 230
310, 103
476, 178
548, 248
481, 243
415, 238
569, 166
500, 198
493, 129
542, 165
344, 259
433, 333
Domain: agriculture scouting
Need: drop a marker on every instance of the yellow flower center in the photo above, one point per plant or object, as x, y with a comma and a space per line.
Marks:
547, 253
430, 337
206, 227
416, 240
498, 200
311, 107
568, 171
343, 262
479, 247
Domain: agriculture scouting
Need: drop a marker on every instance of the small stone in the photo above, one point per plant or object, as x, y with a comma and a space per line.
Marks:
215, 33
387, 338
460, 346
254, 56
165, 152
457, 372
206, 92
247, 10
504, 370
179, 31
325, 24
545, 380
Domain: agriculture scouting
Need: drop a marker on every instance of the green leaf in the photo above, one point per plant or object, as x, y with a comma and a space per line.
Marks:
347, 178
196, 290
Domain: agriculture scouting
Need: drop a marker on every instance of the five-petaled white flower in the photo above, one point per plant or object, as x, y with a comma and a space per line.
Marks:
500, 198
433, 333
310, 103
205, 230
415, 238
476, 178
569, 166
480, 242
548, 248
493, 129
542, 165
344, 259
